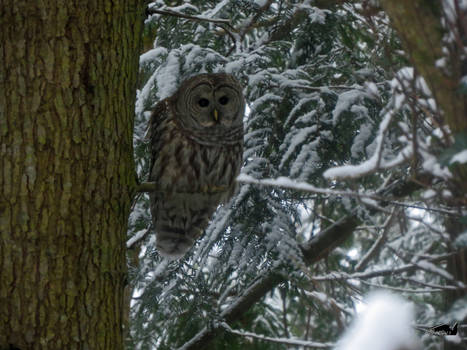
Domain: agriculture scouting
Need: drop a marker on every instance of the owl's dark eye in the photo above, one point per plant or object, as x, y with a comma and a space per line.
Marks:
203, 102
223, 100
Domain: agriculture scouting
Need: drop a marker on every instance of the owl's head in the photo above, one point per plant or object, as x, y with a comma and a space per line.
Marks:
210, 102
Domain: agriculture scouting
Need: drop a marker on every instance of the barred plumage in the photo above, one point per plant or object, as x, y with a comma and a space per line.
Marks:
196, 140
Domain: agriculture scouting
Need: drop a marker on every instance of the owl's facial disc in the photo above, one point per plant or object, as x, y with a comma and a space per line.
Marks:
211, 101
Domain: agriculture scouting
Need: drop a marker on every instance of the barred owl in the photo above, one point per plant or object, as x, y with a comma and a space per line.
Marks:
196, 139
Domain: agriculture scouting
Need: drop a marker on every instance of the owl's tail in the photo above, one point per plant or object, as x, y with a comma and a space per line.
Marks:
173, 243
180, 221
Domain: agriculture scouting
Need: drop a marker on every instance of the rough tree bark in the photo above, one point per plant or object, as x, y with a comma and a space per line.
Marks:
68, 73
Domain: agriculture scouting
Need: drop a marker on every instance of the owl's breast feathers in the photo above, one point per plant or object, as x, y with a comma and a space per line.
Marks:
182, 165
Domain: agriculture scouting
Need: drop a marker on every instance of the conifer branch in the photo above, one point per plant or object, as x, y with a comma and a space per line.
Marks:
318, 248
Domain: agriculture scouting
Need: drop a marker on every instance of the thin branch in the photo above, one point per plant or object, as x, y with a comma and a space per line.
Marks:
221, 22
375, 248
287, 341
189, 17
431, 285
153, 187
327, 302
427, 265
283, 182
287, 183
377, 273
146, 187
327, 88
404, 290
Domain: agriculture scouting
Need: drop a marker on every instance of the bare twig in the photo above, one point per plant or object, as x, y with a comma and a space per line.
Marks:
189, 17
221, 22
399, 289
153, 187
431, 285
377, 273
287, 341
375, 248
286, 183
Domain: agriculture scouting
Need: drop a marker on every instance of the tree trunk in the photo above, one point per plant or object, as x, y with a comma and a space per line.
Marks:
418, 23
68, 73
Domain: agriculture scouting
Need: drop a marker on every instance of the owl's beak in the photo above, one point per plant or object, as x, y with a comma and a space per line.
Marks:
216, 114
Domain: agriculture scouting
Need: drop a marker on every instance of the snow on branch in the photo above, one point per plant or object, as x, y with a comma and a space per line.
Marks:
430, 267
285, 182
286, 341
189, 17
137, 238
370, 165
460, 157
431, 288
382, 272
366, 198
313, 251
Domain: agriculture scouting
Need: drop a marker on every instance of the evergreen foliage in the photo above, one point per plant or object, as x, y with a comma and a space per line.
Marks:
325, 88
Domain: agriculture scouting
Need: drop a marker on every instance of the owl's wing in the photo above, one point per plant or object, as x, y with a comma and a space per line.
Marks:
159, 113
